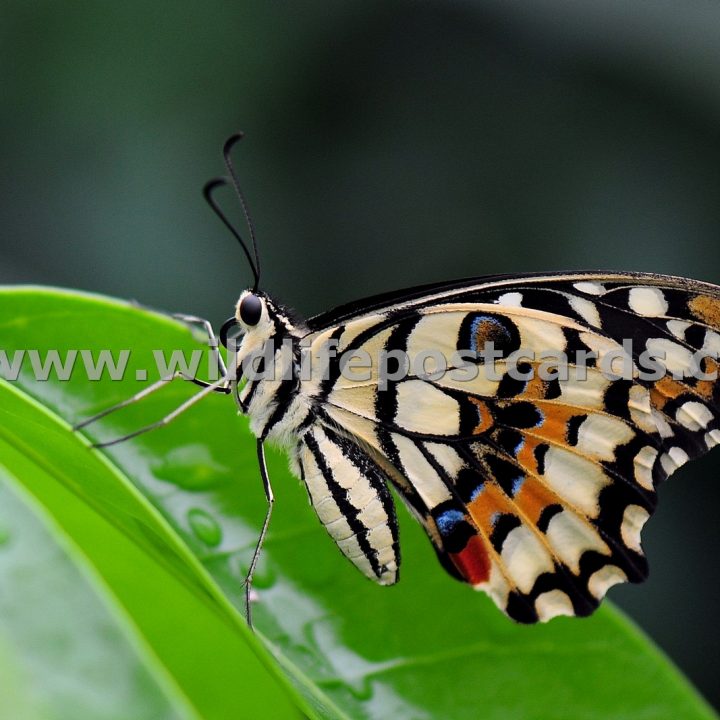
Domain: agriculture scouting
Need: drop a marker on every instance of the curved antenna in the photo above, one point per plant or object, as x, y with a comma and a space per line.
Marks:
208, 190
227, 149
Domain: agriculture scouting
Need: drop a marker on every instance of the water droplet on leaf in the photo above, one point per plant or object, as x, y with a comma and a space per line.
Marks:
205, 527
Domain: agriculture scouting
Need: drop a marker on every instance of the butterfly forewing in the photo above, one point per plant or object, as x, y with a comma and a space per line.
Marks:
534, 490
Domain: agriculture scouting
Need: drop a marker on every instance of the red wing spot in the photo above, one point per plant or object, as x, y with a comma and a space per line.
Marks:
472, 561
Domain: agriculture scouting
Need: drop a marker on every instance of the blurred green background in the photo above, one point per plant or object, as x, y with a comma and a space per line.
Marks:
389, 144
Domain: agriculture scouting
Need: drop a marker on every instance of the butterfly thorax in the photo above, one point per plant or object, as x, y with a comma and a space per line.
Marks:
268, 362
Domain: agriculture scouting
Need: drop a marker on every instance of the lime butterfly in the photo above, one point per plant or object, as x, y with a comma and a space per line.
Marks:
531, 487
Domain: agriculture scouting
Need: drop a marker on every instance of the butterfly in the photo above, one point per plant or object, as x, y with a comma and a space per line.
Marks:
531, 487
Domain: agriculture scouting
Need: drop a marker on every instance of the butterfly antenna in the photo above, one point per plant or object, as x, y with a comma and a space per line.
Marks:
208, 191
227, 150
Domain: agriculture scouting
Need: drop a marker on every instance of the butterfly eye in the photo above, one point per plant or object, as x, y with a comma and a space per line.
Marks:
251, 310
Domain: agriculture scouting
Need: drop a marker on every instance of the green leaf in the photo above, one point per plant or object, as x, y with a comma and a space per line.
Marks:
428, 647
63, 652
201, 641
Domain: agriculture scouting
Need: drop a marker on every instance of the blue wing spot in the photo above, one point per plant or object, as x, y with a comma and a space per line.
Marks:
477, 491
494, 518
488, 329
517, 484
449, 520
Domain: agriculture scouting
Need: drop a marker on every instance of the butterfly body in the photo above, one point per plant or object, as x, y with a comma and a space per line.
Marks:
276, 406
347, 488
533, 490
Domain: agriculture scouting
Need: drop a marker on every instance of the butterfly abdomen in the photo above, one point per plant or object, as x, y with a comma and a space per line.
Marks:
349, 493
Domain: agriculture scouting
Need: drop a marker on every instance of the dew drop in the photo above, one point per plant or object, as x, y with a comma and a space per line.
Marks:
205, 527
190, 467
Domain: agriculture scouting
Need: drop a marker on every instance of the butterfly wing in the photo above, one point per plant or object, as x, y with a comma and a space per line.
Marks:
533, 490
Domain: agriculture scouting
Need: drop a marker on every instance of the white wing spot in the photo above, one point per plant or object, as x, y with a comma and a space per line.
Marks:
663, 426
644, 463
553, 603
679, 456
694, 415
586, 310
604, 578
648, 301
640, 409
600, 435
712, 438
569, 538
712, 342
590, 288
511, 299
525, 558
678, 328
674, 458
576, 478
676, 358
633, 520
496, 587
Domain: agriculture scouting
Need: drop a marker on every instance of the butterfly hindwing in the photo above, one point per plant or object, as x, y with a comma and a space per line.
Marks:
534, 490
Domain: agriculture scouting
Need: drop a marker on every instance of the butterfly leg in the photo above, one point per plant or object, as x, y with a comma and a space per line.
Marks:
261, 539
143, 394
213, 343
212, 338
222, 385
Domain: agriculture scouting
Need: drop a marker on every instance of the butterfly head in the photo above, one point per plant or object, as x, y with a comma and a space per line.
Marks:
252, 324
257, 319
257, 314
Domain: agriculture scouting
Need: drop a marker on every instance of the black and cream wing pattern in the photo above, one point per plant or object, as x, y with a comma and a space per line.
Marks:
531, 487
